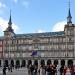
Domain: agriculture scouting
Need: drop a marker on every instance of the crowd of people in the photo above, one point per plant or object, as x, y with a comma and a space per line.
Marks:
5, 69
51, 70
46, 70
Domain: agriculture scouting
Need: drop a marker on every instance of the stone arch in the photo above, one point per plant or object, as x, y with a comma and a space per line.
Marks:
62, 62
56, 62
0, 63
29, 62
42, 62
6, 63
36, 62
12, 63
23, 63
17, 63
48, 62
70, 63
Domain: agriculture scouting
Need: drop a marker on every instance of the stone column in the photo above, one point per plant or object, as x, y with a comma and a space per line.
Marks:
9, 61
2, 63
32, 62
66, 63
45, 62
26, 63
38, 64
73, 62
20, 62
52, 61
59, 63
14, 63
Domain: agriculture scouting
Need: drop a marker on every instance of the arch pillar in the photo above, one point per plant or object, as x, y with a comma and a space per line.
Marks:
45, 62
73, 62
14, 63
66, 62
2, 63
52, 61
20, 62
9, 62
59, 62
38, 63
26, 63
32, 62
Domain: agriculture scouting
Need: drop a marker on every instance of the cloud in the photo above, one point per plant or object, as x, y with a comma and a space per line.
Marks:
15, 1
2, 5
25, 4
4, 25
59, 26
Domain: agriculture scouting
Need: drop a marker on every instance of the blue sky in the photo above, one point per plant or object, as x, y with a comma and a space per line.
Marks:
30, 16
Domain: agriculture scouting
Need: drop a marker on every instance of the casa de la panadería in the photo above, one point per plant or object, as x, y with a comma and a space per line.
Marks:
38, 48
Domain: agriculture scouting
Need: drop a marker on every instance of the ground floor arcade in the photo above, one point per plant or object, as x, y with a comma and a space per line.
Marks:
26, 62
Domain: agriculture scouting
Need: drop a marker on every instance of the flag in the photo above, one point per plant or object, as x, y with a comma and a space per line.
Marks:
34, 53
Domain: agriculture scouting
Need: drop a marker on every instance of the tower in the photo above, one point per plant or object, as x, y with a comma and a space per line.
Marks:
9, 32
69, 31
69, 27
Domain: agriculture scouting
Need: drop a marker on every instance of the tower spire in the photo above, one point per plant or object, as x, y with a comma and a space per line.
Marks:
69, 15
10, 22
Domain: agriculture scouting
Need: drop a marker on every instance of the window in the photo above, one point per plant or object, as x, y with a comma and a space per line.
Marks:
17, 54
12, 55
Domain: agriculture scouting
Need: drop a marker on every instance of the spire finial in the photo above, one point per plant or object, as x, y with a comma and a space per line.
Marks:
69, 4
10, 22
69, 14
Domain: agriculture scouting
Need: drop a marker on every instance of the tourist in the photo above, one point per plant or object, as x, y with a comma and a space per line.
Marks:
68, 71
61, 70
73, 70
35, 70
47, 70
8, 68
11, 68
64, 70
4, 70
58, 70
42, 70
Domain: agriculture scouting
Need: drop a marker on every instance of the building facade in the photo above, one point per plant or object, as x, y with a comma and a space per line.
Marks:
51, 47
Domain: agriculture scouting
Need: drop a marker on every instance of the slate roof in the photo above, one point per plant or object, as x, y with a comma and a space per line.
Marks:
45, 34
33, 35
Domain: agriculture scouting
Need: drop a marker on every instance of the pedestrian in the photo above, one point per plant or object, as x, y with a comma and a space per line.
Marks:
42, 70
68, 71
4, 70
73, 70
31, 69
64, 70
35, 70
48, 70
11, 68
8, 68
58, 70
61, 70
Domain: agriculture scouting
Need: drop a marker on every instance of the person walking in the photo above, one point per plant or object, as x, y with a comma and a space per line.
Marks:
42, 70
48, 70
4, 70
68, 71
11, 68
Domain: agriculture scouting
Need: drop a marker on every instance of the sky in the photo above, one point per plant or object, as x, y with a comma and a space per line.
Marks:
35, 16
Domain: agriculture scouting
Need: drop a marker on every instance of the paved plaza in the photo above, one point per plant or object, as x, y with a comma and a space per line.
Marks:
20, 71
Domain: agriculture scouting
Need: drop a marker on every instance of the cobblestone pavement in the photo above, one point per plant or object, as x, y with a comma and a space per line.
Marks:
21, 71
